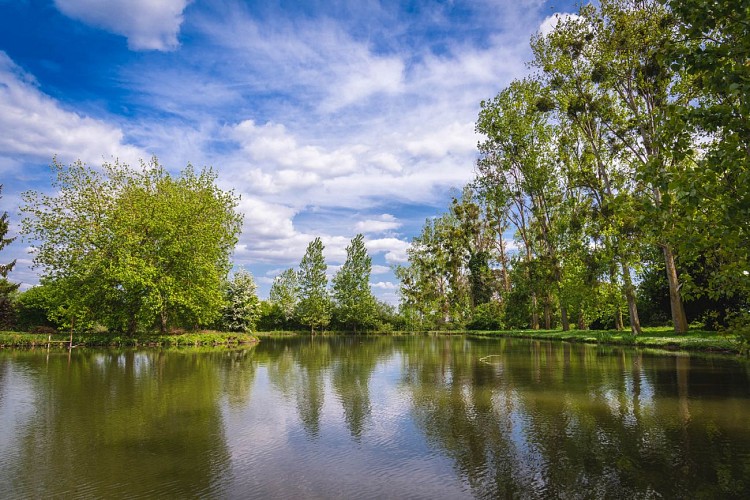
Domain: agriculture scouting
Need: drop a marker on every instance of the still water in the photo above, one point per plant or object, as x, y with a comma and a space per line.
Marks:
374, 417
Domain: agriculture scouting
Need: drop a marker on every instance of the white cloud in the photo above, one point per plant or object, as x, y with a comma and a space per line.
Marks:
385, 285
394, 249
377, 269
385, 222
272, 144
368, 75
35, 125
147, 24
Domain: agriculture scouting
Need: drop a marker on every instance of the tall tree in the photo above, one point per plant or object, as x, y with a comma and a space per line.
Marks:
284, 294
601, 172
6, 287
242, 307
628, 38
712, 50
355, 304
132, 247
314, 307
516, 158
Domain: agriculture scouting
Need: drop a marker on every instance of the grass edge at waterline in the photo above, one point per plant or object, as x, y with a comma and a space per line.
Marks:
653, 337
200, 338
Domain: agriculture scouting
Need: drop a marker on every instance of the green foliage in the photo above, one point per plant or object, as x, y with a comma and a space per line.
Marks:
133, 248
487, 316
284, 296
6, 287
631, 141
355, 305
33, 308
314, 307
242, 308
712, 51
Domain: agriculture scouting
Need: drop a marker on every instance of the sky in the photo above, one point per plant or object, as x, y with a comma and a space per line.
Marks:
327, 118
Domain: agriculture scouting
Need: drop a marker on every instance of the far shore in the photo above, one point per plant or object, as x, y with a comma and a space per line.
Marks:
654, 337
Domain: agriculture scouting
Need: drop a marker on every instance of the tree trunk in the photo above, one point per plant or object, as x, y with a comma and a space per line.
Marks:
635, 322
534, 313
564, 318
504, 265
582, 321
548, 312
675, 299
618, 319
163, 321
132, 324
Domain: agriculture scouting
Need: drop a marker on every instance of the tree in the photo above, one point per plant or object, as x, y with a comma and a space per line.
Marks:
600, 172
6, 287
284, 294
134, 248
516, 160
242, 308
712, 50
314, 307
355, 304
627, 38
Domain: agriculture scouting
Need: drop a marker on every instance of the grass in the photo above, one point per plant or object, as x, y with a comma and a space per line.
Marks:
200, 338
654, 337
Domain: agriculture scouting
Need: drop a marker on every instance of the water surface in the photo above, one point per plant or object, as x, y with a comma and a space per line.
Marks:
374, 417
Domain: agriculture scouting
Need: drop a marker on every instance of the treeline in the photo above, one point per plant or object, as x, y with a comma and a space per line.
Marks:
129, 250
302, 298
132, 250
620, 168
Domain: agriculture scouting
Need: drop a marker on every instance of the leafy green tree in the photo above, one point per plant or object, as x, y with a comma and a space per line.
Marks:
33, 307
284, 294
517, 160
6, 287
712, 49
133, 248
628, 38
242, 308
355, 304
314, 307
435, 286
599, 172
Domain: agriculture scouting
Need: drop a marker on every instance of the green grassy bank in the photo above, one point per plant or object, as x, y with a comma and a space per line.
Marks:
659, 338
653, 337
201, 338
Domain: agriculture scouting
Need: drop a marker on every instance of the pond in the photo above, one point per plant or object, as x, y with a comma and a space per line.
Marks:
374, 417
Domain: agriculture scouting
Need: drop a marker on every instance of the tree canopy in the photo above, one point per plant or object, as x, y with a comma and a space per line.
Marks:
134, 247
601, 172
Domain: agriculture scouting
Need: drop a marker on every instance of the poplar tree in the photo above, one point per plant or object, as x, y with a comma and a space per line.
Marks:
314, 307
355, 304
284, 294
6, 287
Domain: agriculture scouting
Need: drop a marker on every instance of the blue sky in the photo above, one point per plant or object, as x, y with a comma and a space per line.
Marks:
328, 118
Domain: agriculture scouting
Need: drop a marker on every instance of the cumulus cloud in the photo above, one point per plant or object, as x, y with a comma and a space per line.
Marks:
385, 285
393, 248
272, 144
377, 269
35, 125
148, 25
383, 223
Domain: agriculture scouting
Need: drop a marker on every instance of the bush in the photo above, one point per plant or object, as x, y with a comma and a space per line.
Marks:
487, 316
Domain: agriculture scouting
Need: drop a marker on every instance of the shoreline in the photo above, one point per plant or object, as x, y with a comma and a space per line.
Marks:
653, 337
9, 339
